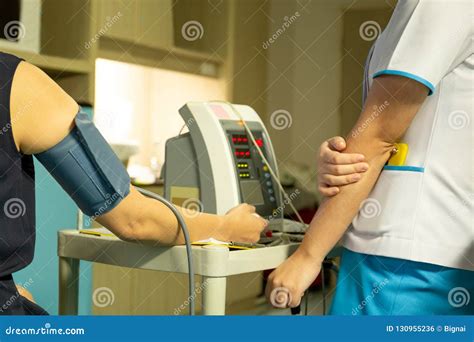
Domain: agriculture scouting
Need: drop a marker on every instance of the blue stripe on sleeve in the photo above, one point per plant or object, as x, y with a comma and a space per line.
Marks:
404, 168
426, 83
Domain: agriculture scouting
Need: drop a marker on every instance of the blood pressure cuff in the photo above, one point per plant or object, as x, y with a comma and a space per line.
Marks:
85, 166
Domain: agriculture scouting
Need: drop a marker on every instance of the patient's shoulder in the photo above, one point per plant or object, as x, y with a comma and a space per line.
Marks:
42, 113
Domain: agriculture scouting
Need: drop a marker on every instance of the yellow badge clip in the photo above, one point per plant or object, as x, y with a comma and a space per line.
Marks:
399, 155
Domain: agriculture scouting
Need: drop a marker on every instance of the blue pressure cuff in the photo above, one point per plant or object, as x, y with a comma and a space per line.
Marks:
87, 168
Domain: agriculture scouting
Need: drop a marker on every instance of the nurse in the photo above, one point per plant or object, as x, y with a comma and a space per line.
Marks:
37, 117
406, 226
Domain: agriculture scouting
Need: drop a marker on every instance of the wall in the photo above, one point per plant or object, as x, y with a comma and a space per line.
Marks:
357, 46
314, 73
246, 66
138, 104
304, 82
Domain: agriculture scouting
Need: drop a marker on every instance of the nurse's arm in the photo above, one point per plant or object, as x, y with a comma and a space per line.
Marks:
391, 105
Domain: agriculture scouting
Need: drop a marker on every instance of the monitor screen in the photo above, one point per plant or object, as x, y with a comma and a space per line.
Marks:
252, 192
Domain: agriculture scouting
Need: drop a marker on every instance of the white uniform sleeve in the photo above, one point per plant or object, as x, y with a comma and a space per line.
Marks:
423, 40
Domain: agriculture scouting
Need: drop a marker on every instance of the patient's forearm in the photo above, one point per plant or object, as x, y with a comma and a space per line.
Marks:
146, 219
200, 225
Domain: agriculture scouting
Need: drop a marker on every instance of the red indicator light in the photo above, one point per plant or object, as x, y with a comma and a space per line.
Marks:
247, 153
259, 142
245, 140
234, 139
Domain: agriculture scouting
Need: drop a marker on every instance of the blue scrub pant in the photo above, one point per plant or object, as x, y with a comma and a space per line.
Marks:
375, 285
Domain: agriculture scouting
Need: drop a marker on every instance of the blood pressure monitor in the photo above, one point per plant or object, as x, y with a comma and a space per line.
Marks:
216, 165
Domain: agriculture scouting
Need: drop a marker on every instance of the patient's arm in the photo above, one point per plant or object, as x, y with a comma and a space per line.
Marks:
144, 219
373, 136
42, 114
400, 99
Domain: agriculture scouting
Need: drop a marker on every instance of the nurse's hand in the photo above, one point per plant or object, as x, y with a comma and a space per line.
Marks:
242, 224
292, 278
336, 168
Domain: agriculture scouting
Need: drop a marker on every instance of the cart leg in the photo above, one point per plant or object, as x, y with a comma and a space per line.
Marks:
213, 296
68, 286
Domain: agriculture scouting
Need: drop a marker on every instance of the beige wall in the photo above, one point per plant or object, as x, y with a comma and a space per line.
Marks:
353, 66
304, 78
247, 63
133, 102
313, 72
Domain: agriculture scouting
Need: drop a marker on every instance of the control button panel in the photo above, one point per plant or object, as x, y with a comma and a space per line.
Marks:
256, 183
